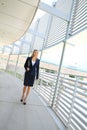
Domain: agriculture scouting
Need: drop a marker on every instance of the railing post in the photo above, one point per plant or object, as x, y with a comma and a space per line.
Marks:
40, 85
50, 97
73, 100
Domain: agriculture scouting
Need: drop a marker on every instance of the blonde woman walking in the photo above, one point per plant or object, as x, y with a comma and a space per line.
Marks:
31, 73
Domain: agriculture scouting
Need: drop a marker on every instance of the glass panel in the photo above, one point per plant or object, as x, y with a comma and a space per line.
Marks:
51, 58
75, 55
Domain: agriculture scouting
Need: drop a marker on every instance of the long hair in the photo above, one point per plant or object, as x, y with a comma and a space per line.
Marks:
33, 52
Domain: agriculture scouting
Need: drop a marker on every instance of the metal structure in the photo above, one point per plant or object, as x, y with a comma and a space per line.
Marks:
71, 98
66, 96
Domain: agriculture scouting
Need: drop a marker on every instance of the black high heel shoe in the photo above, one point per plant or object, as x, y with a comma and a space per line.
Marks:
21, 100
24, 103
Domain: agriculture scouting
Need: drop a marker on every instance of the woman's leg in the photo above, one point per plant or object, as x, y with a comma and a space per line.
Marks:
23, 93
27, 93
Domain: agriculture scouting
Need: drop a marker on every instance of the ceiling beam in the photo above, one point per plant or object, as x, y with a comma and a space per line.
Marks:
36, 33
53, 11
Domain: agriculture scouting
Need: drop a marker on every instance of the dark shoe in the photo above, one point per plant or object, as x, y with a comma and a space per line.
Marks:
24, 103
21, 100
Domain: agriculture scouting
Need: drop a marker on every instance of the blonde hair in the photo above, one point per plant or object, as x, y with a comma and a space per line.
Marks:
33, 52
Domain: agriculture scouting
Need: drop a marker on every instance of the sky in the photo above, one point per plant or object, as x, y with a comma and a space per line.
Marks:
75, 53
78, 52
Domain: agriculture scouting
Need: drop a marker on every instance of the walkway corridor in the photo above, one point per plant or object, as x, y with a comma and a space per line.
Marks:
16, 116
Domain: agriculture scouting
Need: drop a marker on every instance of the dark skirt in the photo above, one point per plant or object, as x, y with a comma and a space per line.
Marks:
28, 79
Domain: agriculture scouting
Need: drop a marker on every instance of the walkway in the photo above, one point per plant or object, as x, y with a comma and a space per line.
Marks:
16, 116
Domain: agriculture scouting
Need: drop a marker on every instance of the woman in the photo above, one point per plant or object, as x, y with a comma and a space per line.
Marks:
32, 71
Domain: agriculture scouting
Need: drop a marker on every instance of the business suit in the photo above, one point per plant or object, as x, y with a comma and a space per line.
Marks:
32, 73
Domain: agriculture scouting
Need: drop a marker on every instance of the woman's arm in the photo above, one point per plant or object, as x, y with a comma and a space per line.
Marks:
26, 64
37, 76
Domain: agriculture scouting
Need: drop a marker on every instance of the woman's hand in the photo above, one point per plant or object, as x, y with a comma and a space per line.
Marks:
28, 69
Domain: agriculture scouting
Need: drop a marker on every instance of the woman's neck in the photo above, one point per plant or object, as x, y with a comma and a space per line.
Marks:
34, 58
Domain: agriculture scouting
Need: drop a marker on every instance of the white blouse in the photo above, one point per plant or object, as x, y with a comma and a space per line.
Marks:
33, 62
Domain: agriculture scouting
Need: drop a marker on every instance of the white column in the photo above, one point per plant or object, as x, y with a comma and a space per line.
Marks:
9, 57
33, 37
62, 56
20, 47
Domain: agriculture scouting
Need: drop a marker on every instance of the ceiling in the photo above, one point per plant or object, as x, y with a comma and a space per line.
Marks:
15, 18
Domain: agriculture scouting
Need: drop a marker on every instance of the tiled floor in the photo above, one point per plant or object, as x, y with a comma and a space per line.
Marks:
16, 116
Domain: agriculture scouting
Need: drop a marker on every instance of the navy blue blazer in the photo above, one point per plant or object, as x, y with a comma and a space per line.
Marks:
33, 69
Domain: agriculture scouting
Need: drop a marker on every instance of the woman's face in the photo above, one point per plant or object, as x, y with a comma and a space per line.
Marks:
36, 53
